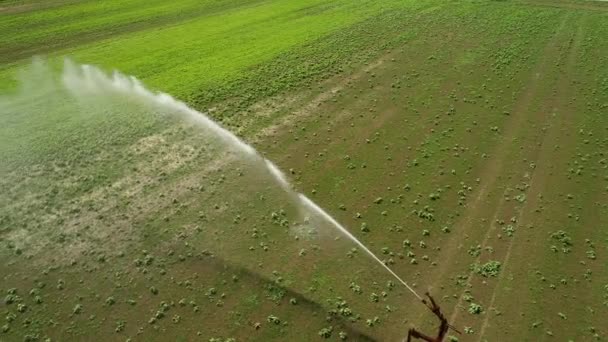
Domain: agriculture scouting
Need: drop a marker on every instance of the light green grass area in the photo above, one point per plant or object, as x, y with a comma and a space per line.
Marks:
203, 50
190, 58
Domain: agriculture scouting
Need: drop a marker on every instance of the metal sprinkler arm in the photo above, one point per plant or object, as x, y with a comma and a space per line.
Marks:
437, 311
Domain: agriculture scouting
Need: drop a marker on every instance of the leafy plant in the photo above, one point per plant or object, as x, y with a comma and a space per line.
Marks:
489, 269
475, 309
326, 332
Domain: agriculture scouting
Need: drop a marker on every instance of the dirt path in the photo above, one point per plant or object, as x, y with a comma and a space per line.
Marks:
523, 108
490, 174
544, 162
311, 107
455, 312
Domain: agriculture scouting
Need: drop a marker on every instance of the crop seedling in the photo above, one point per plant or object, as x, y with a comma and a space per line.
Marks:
326, 332
489, 269
475, 309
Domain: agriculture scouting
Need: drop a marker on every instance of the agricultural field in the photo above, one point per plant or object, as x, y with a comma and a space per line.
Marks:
464, 142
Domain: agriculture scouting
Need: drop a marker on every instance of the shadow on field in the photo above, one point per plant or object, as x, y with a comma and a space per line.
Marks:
256, 280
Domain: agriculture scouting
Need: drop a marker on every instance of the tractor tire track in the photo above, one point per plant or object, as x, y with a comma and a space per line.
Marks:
495, 166
538, 181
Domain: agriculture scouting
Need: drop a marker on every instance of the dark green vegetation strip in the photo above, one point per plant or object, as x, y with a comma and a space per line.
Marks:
236, 84
72, 25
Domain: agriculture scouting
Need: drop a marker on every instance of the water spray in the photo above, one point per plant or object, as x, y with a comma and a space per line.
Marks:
88, 79
306, 201
312, 205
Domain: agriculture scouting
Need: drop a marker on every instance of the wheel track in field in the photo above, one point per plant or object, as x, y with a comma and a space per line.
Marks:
311, 107
301, 107
483, 243
538, 181
495, 165
522, 110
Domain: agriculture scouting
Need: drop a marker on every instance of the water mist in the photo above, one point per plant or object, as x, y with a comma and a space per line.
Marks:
86, 79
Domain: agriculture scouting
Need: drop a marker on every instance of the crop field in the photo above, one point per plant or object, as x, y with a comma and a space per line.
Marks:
464, 142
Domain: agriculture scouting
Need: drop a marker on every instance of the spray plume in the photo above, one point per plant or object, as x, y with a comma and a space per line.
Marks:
88, 79
306, 201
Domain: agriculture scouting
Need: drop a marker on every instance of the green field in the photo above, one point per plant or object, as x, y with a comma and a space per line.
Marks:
464, 142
